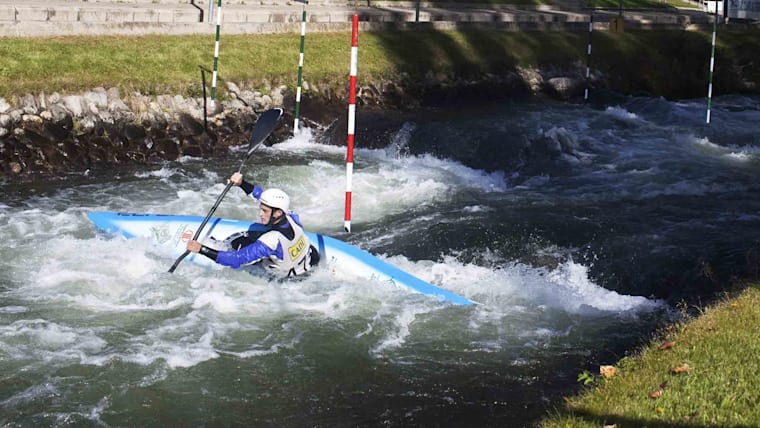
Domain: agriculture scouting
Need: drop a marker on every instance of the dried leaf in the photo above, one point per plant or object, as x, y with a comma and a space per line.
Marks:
683, 368
607, 371
666, 345
611, 426
658, 392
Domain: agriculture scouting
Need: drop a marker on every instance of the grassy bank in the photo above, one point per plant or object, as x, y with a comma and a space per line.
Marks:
701, 373
668, 63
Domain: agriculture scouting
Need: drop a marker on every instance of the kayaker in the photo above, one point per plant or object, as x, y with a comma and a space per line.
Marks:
283, 247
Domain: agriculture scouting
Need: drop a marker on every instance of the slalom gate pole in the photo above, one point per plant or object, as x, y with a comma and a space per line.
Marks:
205, 110
216, 52
300, 69
351, 119
588, 52
712, 63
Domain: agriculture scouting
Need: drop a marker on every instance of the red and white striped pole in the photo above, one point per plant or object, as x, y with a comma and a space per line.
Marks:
351, 119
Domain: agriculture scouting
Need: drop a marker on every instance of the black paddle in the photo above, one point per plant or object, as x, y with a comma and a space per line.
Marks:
261, 130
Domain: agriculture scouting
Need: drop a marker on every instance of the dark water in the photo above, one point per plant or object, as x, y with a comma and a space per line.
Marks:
578, 228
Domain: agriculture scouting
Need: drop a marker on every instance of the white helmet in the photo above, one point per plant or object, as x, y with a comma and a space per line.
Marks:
275, 198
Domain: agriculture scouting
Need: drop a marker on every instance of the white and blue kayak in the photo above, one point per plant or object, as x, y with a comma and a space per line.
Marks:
173, 231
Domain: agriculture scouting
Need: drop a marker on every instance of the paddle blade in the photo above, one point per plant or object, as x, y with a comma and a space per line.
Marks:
264, 126
176, 262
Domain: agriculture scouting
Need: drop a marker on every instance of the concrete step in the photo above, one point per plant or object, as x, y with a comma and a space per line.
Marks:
35, 18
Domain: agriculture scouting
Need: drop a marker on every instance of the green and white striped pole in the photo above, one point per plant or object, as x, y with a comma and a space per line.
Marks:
588, 52
300, 68
712, 62
216, 52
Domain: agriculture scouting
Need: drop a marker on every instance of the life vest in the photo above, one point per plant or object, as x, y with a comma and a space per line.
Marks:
296, 252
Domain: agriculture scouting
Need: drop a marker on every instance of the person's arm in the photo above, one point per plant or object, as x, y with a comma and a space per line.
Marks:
249, 189
196, 247
250, 254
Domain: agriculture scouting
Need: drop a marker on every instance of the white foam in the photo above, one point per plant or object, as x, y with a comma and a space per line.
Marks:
13, 309
163, 173
566, 287
30, 394
383, 189
48, 342
621, 113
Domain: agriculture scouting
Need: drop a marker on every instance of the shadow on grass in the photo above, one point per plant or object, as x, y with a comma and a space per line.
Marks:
626, 422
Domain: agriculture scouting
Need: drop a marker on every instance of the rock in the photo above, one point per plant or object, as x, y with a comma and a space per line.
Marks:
189, 148
31, 118
97, 97
54, 98
562, 87
54, 131
247, 97
266, 102
42, 101
235, 105
532, 78
4, 106
168, 148
15, 115
112, 94
133, 132
61, 116
120, 111
87, 123
29, 104
277, 95
233, 88
190, 125
73, 104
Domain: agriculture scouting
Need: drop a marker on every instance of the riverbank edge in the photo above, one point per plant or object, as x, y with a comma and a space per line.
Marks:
697, 372
50, 135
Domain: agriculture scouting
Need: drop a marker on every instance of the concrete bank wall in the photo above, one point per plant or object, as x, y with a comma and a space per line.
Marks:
38, 18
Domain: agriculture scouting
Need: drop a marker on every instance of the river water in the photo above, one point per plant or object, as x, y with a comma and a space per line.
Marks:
579, 229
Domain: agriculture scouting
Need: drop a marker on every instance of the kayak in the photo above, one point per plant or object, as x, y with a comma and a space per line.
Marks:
173, 231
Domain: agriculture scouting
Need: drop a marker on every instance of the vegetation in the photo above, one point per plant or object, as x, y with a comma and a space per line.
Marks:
669, 63
700, 373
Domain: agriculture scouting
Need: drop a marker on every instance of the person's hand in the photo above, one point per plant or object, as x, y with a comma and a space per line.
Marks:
236, 179
193, 246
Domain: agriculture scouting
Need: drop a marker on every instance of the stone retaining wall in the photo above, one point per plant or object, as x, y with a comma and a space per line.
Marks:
53, 134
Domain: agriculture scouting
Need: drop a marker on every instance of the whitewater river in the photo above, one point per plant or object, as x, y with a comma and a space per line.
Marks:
579, 229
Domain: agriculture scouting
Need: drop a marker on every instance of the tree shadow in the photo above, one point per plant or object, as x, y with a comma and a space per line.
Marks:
620, 421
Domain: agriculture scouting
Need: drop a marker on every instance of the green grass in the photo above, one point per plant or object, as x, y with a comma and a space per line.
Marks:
722, 387
668, 63
170, 64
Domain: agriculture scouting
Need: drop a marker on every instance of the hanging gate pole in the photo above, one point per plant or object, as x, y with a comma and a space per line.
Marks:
216, 52
588, 52
712, 63
300, 69
351, 119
